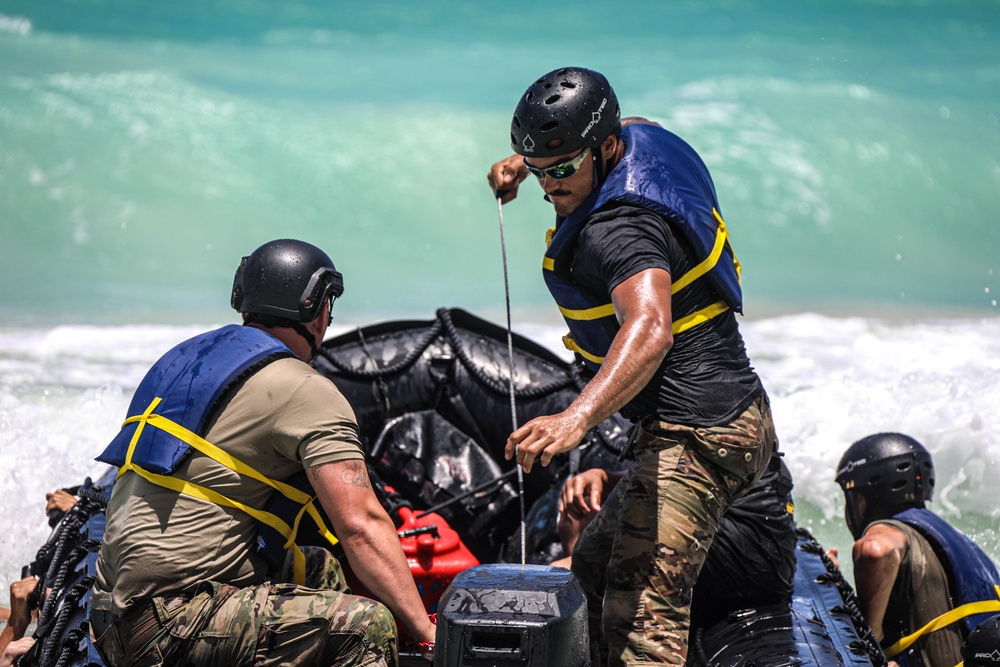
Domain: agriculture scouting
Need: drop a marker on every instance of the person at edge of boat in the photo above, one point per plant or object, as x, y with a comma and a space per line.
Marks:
14, 650
751, 562
982, 647
923, 585
21, 606
214, 428
640, 265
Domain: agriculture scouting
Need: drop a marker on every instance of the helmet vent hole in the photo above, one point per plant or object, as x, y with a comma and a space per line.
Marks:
568, 84
553, 143
898, 484
548, 127
552, 99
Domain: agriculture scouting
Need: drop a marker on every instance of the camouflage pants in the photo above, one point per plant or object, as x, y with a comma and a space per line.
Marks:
650, 539
272, 624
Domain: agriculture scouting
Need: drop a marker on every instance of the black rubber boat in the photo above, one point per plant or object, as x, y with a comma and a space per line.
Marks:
432, 400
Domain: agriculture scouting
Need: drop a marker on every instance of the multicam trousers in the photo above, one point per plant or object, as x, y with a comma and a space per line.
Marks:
271, 624
650, 539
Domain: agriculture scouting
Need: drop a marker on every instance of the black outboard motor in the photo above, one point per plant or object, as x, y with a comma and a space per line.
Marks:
513, 616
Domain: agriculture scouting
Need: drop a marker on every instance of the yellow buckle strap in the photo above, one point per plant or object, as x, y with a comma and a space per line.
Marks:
946, 619
571, 345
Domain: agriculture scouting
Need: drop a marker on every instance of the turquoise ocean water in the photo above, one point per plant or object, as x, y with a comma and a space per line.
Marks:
855, 146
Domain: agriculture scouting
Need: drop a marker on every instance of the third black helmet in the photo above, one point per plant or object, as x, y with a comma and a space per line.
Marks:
890, 471
982, 647
565, 110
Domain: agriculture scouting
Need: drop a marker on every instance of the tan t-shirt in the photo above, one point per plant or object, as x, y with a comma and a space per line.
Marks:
919, 595
283, 418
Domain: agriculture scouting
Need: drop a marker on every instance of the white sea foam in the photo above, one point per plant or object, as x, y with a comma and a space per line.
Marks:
63, 392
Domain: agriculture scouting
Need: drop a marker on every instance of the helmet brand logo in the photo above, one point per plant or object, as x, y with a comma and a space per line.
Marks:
595, 117
851, 465
529, 144
995, 655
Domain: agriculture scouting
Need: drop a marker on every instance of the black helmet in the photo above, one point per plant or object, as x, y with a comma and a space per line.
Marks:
565, 110
982, 648
890, 471
287, 279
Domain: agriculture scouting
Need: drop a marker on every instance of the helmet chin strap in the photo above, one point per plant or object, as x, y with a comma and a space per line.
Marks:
309, 338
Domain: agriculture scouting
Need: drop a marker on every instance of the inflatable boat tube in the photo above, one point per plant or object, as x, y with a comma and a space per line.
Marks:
433, 407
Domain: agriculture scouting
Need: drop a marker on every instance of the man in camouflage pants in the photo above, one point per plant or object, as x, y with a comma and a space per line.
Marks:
641, 267
216, 433
678, 467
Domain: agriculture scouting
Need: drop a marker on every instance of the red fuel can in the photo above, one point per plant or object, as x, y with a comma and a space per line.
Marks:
435, 552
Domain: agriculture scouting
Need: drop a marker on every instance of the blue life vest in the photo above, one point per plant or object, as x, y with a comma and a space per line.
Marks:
973, 578
189, 379
167, 419
662, 173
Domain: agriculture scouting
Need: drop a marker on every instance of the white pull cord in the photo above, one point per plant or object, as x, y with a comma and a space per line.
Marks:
513, 403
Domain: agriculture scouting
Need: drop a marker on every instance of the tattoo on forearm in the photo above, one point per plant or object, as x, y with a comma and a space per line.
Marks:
354, 473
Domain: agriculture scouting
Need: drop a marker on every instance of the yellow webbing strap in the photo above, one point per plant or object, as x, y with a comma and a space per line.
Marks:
683, 324
237, 466
596, 313
707, 264
699, 316
958, 613
571, 345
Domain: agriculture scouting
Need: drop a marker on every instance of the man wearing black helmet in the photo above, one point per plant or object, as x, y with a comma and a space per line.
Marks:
640, 265
214, 429
922, 584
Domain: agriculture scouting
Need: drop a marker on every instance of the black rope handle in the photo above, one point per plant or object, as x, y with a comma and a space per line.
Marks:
444, 315
377, 373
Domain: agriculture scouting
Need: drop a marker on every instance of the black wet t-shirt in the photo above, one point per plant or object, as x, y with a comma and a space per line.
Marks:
706, 378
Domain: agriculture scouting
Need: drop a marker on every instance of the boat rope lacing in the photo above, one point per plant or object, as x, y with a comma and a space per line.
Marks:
513, 400
56, 566
443, 324
851, 606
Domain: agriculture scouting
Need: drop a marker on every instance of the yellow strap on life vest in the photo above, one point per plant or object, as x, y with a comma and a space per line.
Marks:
707, 264
683, 324
699, 317
196, 491
946, 619
572, 346
595, 313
